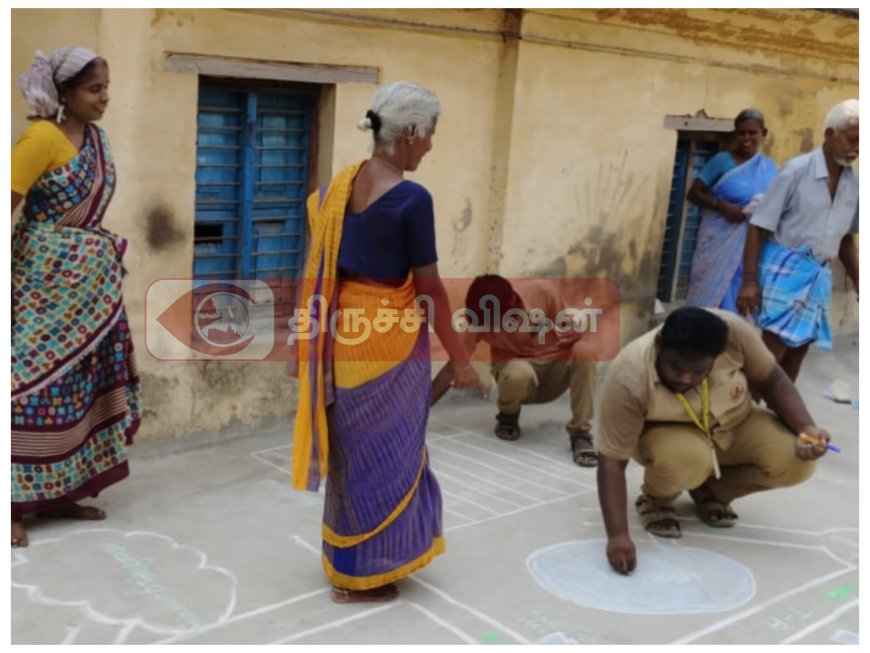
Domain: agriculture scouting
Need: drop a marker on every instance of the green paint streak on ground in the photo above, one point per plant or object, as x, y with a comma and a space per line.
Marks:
841, 593
491, 638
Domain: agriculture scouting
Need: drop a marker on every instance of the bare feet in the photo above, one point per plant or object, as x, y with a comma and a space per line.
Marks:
380, 594
19, 534
75, 511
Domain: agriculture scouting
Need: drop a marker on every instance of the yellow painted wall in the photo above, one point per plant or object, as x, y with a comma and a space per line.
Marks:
550, 157
590, 157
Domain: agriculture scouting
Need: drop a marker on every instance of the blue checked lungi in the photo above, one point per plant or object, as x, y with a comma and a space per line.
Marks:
795, 295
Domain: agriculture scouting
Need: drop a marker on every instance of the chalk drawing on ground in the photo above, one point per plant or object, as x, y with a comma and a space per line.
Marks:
158, 585
671, 580
480, 478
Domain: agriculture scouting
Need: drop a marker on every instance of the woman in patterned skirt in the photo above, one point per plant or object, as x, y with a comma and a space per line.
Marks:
75, 387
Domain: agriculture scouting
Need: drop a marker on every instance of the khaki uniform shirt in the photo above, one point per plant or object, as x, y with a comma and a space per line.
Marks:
535, 293
634, 398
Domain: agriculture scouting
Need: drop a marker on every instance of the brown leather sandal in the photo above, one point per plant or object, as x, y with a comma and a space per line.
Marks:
711, 511
583, 450
657, 518
380, 594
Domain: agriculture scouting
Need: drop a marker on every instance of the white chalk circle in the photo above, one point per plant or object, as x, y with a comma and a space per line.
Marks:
668, 579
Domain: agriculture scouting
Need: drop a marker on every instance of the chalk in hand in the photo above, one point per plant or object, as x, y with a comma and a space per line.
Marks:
819, 442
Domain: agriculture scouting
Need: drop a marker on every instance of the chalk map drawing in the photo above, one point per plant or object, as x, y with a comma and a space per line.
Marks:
671, 580
161, 586
143, 587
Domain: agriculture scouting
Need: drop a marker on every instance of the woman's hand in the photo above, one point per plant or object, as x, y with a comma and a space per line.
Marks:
730, 212
465, 376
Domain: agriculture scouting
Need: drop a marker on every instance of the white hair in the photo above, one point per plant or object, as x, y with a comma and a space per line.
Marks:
842, 115
398, 106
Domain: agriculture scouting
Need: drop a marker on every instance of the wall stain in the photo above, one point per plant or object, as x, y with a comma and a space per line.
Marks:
613, 200
161, 230
157, 391
461, 224
745, 37
464, 220
806, 136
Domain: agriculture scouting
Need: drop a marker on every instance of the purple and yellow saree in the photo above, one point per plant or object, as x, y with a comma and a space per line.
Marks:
361, 420
75, 385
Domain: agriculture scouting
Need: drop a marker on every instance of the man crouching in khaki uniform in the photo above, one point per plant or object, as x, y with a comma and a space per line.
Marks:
677, 400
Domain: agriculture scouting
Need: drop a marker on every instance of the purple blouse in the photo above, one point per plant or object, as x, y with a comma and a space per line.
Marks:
393, 234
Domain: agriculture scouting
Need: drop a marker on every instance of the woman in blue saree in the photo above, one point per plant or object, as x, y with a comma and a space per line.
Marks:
727, 188
75, 384
364, 401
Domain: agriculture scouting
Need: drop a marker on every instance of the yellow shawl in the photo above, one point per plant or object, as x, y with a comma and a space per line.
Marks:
310, 437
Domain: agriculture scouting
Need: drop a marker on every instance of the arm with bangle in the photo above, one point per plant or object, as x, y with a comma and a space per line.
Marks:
749, 297
699, 195
461, 372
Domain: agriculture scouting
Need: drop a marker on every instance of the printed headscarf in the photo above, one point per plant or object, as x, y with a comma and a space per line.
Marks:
39, 84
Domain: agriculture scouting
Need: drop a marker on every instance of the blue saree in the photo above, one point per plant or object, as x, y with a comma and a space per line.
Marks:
717, 265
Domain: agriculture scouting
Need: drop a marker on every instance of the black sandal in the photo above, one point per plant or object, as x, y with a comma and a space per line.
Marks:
507, 427
584, 452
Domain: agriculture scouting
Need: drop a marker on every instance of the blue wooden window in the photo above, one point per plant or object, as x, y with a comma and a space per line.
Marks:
252, 150
684, 218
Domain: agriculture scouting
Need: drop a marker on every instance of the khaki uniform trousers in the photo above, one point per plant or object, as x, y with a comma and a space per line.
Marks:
532, 382
676, 457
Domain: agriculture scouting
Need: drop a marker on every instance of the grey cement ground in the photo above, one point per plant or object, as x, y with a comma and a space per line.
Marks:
207, 543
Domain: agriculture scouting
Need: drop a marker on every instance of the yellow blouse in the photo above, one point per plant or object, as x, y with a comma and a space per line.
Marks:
42, 147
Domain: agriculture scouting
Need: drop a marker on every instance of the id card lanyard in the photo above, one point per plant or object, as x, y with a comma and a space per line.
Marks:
705, 425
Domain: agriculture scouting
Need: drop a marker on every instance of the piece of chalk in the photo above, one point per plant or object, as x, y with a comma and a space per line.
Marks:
813, 441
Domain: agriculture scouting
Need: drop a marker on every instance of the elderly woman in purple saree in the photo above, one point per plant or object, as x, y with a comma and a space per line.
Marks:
364, 401
728, 188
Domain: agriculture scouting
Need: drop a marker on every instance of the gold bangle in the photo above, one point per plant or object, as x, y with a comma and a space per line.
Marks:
461, 369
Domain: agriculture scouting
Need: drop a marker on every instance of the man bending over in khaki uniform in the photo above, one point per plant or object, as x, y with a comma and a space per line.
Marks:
527, 370
677, 401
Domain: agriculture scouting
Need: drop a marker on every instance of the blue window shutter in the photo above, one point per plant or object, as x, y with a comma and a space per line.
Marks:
684, 219
218, 208
252, 181
282, 138
672, 227
248, 161
702, 152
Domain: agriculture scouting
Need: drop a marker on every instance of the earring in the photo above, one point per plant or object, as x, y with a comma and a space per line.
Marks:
410, 140
60, 117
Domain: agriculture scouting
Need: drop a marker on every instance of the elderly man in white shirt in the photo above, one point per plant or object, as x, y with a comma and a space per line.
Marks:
807, 217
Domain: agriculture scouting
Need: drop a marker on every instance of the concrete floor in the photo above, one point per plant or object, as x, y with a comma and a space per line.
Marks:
207, 543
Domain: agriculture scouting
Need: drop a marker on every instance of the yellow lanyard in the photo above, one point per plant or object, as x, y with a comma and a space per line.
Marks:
705, 425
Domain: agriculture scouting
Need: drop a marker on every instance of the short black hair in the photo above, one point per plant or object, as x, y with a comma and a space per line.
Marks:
71, 84
692, 330
489, 284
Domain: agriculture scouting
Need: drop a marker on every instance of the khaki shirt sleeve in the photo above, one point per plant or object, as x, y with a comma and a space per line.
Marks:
758, 362
621, 419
